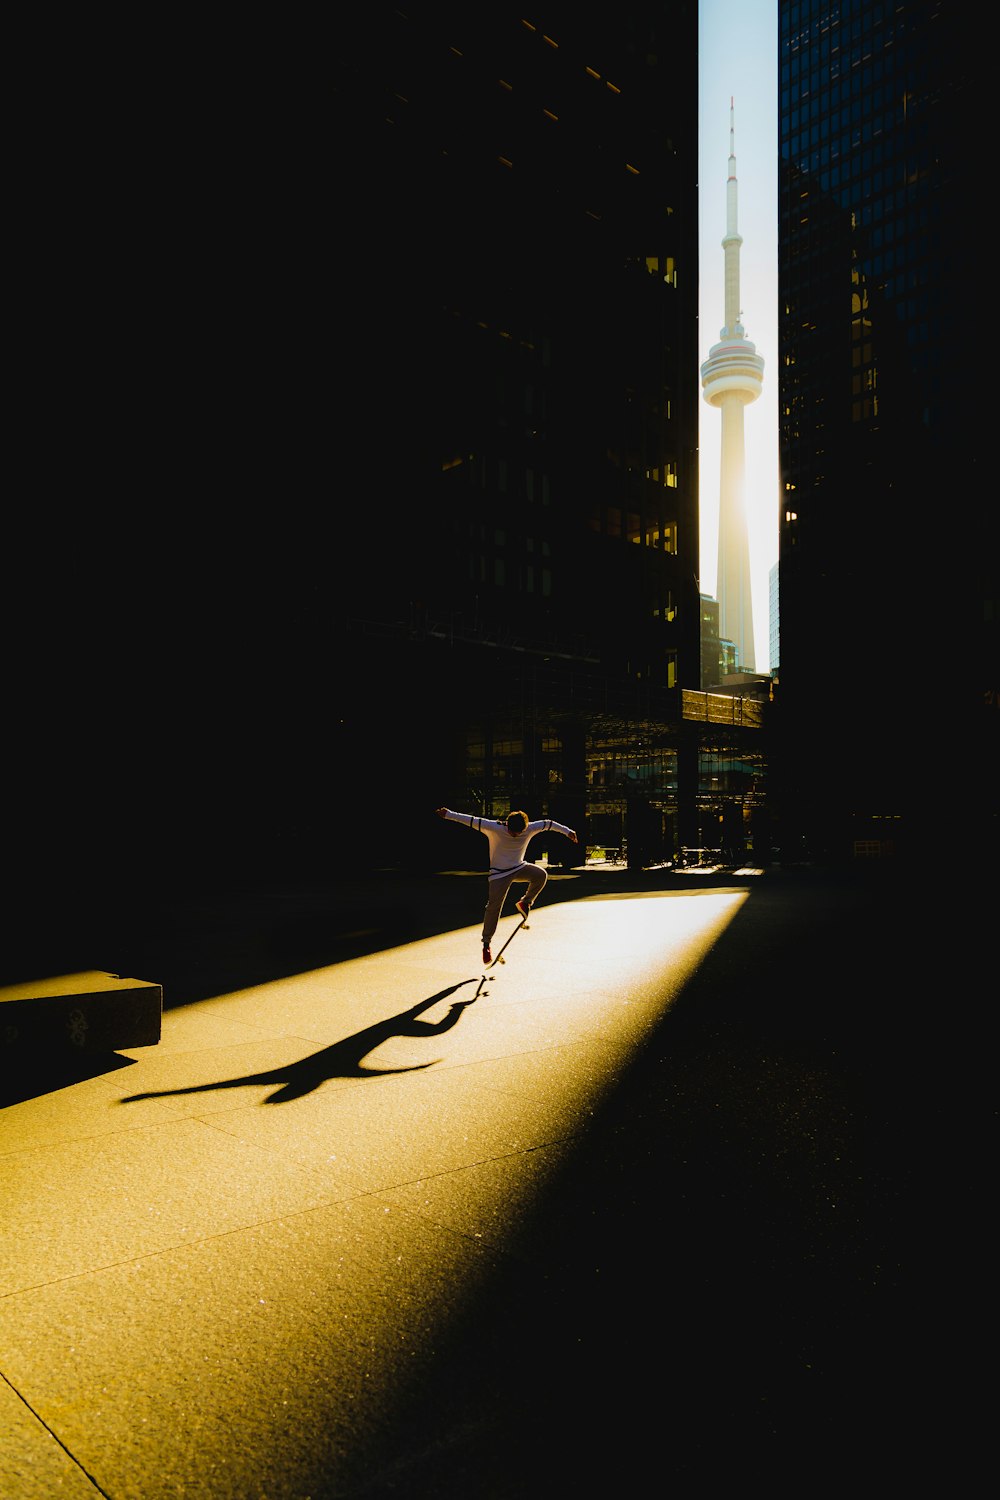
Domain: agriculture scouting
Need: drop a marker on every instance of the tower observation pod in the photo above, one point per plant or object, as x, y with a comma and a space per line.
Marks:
731, 378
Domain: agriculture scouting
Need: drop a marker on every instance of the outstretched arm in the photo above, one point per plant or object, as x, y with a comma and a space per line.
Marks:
547, 825
456, 817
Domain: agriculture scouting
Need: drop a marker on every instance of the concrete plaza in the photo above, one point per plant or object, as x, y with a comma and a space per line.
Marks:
621, 1217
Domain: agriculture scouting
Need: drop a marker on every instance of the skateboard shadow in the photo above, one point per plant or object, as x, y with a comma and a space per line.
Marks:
341, 1060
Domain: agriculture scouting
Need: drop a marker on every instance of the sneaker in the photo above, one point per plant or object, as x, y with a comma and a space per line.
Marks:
487, 955
523, 907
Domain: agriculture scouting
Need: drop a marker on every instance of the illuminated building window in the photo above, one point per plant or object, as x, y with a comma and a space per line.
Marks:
662, 265
668, 473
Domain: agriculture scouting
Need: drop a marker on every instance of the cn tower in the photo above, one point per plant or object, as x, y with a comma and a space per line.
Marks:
731, 378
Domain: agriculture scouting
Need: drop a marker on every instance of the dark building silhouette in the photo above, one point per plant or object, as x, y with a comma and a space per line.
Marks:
362, 398
888, 540
530, 198
517, 290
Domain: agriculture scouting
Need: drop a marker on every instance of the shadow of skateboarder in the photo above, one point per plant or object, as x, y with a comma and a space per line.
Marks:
341, 1060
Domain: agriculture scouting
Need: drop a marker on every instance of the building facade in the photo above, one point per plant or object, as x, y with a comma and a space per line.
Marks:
363, 410
519, 614
888, 535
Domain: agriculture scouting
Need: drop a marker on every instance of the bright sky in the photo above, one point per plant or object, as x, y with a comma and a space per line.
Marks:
738, 59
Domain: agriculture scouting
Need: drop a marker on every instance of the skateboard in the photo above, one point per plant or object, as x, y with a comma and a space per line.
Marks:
499, 958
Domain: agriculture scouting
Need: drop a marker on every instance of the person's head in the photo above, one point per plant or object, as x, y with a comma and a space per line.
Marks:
517, 822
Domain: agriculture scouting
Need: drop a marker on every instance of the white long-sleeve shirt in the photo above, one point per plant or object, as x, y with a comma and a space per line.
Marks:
507, 850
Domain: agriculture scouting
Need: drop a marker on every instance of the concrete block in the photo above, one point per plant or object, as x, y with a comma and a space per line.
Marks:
87, 1011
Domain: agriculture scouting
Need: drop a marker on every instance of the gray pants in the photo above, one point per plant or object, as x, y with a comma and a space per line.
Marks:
531, 875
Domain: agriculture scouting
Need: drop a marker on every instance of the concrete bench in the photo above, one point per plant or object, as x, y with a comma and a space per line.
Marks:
88, 1011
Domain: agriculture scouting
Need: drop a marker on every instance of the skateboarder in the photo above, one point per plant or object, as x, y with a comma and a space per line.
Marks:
508, 841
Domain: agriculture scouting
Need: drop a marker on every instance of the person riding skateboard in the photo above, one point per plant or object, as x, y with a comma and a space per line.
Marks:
508, 841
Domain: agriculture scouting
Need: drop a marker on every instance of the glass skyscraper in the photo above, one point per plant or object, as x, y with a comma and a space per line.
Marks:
888, 532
